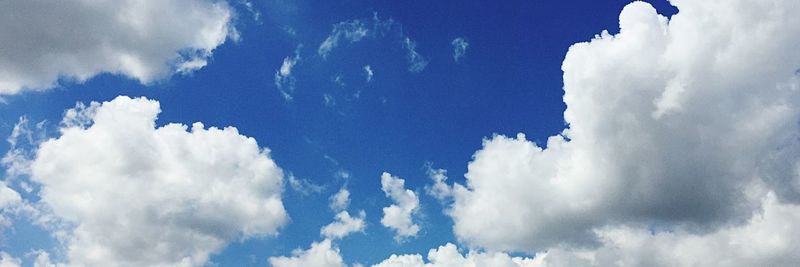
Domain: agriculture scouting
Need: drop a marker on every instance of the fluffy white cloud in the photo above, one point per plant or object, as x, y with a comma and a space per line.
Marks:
673, 124
448, 256
321, 254
44, 41
459, 48
398, 216
139, 195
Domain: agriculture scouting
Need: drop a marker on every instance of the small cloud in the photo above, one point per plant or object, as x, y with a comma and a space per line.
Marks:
191, 65
248, 5
303, 186
368, 71
328, 100
343, 225
284, 80
351, 31
416, 62
339, 80
340, 200
459, 48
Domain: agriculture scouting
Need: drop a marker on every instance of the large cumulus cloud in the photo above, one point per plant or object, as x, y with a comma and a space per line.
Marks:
684, 124
44, 41
133, 194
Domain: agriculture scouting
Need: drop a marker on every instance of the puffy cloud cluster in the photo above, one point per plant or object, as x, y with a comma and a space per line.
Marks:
683, 125
399, 216
44, 41
133, 194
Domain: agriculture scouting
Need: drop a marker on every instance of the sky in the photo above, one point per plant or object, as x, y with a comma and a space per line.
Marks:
399, 133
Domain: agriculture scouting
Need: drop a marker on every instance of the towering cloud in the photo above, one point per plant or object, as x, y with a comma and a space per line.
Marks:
133, 194
44, 41
686, 125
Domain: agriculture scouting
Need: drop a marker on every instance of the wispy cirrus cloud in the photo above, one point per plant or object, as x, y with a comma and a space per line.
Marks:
459, 48
357, 30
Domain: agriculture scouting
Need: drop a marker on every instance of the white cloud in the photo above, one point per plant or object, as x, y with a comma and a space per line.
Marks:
139, 195
328, 100
10, 203
440, 190
17, 159
343, 225
340, 200
44, 41
459, 48
448, 256
321, 254
416, 62
350, 31
303, 186
683, 125
7, 260
284, 80
399, 216
368, 71
43, 260
357, 30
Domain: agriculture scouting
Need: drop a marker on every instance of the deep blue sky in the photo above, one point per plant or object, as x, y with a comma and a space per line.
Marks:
510, 81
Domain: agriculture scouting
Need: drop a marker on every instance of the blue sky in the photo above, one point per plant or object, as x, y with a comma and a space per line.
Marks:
342, 126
